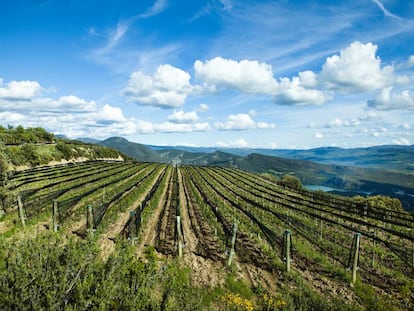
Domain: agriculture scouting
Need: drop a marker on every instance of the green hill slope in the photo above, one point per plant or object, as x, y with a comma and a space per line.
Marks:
134, 150
20, 147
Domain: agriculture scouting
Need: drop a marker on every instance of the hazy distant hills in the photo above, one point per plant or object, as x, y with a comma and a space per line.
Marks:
134, 150
387, 170
393, 157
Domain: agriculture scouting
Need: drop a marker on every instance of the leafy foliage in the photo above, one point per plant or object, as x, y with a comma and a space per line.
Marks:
47, 273
35, 146
20, 135
291, 182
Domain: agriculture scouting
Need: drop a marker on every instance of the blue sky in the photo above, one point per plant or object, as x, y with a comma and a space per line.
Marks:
229, 73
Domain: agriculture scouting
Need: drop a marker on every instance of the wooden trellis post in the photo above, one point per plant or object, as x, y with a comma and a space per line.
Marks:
55, 215
22, 214
373, 246
89, 219
354, 256
320, 229
232, 243
287, 245
132, 230
179, 237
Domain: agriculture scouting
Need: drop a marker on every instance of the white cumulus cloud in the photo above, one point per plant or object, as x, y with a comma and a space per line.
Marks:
242, 121
387, 100
357, 69
239, 143
169, 87
203, 108
22, 103
401, 141
246, 76
169, 127
179, 116
301, 90
318, 135
338, 122
404, 126
410, 61
19, 90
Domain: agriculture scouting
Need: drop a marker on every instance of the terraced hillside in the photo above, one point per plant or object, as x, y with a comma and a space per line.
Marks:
213, 218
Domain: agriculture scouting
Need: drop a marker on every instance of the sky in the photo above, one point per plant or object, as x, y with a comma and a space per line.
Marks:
218, 73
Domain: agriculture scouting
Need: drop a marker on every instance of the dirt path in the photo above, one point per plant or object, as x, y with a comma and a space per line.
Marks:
107, 239
205, 272
150, 230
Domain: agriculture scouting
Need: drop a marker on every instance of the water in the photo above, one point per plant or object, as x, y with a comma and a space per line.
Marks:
322, 188
329, 189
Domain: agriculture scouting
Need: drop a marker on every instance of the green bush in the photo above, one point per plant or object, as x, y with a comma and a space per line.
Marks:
291, 181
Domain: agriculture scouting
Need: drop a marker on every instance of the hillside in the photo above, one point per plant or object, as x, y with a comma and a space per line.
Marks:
23, 148
346, 179
393, 157
137, 151
153, 236
384, 170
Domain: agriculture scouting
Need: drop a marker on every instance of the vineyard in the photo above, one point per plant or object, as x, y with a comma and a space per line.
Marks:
216, 219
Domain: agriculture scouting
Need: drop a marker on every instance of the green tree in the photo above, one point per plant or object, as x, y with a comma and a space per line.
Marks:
291, 182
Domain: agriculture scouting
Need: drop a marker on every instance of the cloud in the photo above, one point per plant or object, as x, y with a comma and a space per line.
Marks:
21, 102
410, 62
167, 88
19, 90
240, 143
240, 122
318, 135
169, 127
265, 125
301, 90
179, 116
12, 117
386, 100
211, 6
247, 76
385, 11
158, 7
237, 122
110, 113
338, 122
120, 58
202, 108
227, 5
404, 126
401, 141
116, 35
357, 69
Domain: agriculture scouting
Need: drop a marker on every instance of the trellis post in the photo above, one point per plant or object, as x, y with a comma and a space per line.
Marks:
55, 215
180, 237
232, 243
373, 246
22, 215
132, 230
287, 237
355, 260
89, 219
320, 229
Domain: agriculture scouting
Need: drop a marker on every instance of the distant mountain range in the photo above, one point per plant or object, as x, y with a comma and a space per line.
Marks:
386, 170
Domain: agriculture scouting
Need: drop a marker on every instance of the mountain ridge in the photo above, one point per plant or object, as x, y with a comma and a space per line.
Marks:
385, 170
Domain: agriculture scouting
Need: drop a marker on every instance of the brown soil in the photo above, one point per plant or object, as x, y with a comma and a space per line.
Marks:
106, 239
149, 233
